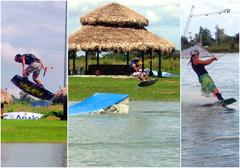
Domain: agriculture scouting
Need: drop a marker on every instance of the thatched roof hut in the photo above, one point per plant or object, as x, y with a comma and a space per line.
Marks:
114, 14
116, 27
102, 38
6, 98
60, 96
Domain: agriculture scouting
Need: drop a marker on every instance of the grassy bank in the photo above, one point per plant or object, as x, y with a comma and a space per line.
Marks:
166, 89
226, 48
47, 131
28, 107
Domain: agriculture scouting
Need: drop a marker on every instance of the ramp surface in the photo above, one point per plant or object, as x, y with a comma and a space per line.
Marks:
96, 102
164, 74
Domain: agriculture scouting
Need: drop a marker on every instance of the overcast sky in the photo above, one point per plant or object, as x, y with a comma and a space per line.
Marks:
163, 15
229, 22
35, 27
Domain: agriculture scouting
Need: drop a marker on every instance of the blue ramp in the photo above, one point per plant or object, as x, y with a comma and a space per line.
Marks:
96, 102
164, 74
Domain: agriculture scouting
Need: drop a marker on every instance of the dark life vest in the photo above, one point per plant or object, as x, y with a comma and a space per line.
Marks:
131, 64
30, 58
199, 69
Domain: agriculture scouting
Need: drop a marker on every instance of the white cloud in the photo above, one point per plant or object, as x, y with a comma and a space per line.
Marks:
8, 52
150, 3
171, 7
76, 5
153, 17
227, 20
174, 11
14, 91
9, 31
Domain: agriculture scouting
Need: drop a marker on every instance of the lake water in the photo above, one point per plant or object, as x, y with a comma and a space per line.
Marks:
33, 155
147, 136
210, 135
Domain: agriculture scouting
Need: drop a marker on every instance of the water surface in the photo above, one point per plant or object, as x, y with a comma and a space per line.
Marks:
147, 136
33, 155
210, 134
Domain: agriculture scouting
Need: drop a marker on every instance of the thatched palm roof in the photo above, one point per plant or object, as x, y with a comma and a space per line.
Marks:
60, 96
6, 97
115, 27
101, 38
114, 14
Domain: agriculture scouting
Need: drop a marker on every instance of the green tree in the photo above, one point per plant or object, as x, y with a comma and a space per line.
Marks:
197, 38
24, 97
184, 42
219, 35
205, 37
236, 38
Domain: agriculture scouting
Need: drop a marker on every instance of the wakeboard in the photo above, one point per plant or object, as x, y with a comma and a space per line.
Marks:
147, 83
226, 102
31, 88
223, 104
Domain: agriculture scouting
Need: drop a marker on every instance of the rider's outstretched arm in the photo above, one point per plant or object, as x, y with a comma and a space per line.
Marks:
197, 61
42, 65
135, 68
44, 68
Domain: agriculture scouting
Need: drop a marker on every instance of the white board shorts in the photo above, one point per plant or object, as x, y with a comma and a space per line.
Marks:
34, 67
139, 74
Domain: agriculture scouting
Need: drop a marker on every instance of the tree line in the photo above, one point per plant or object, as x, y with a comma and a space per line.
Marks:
217, 42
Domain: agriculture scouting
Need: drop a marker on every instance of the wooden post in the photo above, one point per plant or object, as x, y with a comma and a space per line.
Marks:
97, 59
86, 62
74, 65
65, 47
151, 57
2, 110
97, 70
69, 71
142, 61
159, 64
127, 58
128, 70
65, 109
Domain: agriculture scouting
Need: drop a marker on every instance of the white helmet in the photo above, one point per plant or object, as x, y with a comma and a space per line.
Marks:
194, 52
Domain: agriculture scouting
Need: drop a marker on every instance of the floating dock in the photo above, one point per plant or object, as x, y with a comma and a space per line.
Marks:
101, 102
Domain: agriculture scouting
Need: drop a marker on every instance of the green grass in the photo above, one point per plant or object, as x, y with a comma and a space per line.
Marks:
48, 131
166, 89
28, 107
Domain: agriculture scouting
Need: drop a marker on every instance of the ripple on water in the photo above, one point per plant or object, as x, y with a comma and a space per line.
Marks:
147, 136
210, 133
